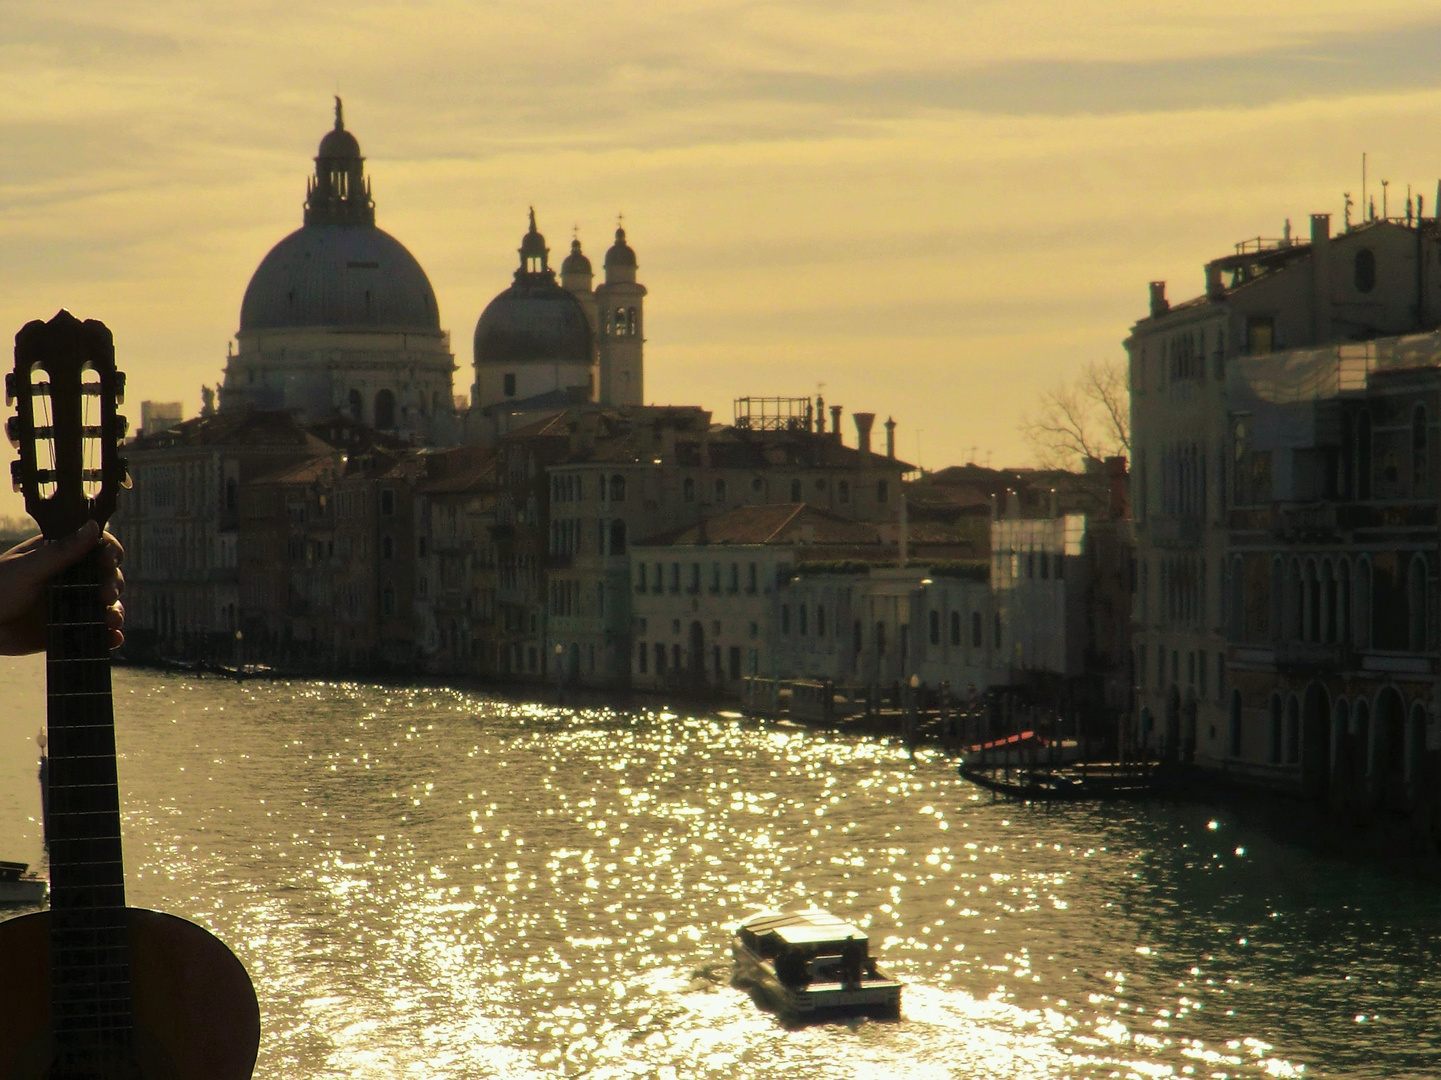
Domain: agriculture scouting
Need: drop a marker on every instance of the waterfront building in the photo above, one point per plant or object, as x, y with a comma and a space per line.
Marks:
339, 317
1331, 577
1375, 279
455, 551
708, 600
181, 525
639, 472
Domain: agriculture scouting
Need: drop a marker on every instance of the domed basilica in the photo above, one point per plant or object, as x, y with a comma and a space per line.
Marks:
340, 318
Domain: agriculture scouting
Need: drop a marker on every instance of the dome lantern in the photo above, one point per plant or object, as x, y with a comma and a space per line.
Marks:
339, 193
620, 264
534, 255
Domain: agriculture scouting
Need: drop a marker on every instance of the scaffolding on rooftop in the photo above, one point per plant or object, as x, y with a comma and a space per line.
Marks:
773, 413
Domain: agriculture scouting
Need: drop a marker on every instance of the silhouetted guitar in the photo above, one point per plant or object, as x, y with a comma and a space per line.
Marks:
92, 989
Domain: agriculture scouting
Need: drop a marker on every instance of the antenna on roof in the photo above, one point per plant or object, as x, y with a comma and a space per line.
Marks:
1364, 202
1385, 200
1347, 196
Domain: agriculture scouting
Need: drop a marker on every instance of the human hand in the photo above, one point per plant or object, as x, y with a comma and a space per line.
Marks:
29, 565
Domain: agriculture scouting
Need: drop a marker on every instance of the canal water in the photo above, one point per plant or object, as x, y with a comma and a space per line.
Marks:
433, 883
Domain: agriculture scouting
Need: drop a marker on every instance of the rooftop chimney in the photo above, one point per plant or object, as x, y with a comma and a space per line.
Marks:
891, 438
863, 420
820, 415
1215, 289
1159, 304
836, 421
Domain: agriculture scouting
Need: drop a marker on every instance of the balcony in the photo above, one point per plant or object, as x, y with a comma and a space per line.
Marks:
1176, 532
1312, 656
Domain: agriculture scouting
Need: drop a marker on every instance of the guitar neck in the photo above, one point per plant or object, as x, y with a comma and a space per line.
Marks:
90, 962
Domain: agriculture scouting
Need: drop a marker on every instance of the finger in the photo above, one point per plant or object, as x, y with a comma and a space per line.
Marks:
112, 589
117, 639
112, 552
115, 616
44, 561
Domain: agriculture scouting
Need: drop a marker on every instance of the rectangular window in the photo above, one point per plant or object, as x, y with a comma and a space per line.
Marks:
1220, 676
802, 611
976, 641
735, 659
694, 578
640, 657
720, 491
955, 628
509, 384
751, 578
735, 585
820, 620
1141, 666
1059, 570
1201, 681
660, 659
675, 577
715, 577
659, 585
640, 580
785, 619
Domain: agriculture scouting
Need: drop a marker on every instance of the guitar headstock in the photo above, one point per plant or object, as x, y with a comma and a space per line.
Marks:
65, 389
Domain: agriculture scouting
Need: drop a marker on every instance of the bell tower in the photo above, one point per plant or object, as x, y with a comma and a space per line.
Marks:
620, 313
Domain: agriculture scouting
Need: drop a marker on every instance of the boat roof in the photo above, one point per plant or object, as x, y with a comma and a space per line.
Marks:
806, 927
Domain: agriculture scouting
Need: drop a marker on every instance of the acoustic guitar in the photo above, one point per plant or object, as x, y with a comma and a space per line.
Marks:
92, 989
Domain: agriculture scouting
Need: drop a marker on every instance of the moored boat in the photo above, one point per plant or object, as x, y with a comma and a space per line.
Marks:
19, 887
807, 964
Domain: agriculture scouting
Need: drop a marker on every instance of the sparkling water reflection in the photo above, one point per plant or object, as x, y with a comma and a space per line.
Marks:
429, 883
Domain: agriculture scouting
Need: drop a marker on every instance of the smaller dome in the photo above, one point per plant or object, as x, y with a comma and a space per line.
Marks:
575, 262
339, 143
532, 246
620, 253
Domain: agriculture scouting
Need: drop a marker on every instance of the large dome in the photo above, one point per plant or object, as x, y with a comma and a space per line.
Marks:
339, 276
533, 322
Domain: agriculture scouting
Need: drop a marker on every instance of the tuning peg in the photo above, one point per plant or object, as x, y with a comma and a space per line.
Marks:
122, 426
125, 481
120, 388
15, 476
12, 431
10, 388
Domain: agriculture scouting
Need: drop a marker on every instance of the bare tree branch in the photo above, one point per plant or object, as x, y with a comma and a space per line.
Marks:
1087, 418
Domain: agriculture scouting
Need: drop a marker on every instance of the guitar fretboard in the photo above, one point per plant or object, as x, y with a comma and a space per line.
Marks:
90, 954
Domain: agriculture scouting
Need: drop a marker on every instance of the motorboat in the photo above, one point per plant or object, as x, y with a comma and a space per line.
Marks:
17, 886
807, 964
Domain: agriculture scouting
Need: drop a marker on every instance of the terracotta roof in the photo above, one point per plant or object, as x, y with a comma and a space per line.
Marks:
308, 471
781, 523
234, 427
462, 469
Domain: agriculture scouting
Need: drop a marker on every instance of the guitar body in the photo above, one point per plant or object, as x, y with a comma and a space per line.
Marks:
196, 1016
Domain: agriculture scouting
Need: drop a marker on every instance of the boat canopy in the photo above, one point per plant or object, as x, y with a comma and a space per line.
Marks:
810, 928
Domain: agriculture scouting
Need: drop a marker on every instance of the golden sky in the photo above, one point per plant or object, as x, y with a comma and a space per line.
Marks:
934, 208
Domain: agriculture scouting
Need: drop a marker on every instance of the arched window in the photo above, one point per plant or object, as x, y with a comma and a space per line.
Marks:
1364, 267
630, 322
976, 641
1238, 600
1343, 602
955, 628
619, 321
1363, 455
1361, 607
880, 639
935, 627
1420, 458
355, 405
796, 493
617, 488
385, 410
1293, 730
617, 537
820, 620
1416, 604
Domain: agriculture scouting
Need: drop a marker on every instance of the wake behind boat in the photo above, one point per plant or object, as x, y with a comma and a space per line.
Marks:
808, 964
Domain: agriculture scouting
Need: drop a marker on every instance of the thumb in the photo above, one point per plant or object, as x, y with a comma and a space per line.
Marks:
47, 560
